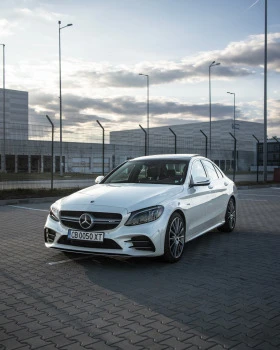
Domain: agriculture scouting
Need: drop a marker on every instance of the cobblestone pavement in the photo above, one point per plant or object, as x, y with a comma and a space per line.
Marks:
223, 294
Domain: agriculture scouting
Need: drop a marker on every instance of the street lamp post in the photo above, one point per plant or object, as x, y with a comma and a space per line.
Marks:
3, 159
60, 97
265, 98
210, 111
148, 127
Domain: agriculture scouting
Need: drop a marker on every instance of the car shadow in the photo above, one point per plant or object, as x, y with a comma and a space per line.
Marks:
209, 291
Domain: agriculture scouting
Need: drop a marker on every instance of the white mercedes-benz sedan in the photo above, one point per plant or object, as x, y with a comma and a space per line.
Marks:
147, 206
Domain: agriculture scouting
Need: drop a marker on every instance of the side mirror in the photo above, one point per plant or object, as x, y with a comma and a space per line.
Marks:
99, 179
199, 181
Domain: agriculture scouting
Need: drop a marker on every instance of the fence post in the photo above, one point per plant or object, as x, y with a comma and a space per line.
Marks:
175, 139
206, 142
234, 161
257, 157
145, 138
52, 151
103, 146
276, 139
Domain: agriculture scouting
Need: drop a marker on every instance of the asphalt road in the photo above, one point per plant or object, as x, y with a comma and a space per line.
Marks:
223, 294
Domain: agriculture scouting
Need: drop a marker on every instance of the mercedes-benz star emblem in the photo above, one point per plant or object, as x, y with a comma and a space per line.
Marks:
86, 221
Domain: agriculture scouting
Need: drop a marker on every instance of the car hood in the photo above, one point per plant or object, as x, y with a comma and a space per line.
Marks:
126, 196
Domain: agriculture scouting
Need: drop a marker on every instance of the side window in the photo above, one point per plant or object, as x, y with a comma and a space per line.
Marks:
197, 170
210, 170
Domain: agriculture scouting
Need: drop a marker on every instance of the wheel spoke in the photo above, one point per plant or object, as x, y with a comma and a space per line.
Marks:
176, 237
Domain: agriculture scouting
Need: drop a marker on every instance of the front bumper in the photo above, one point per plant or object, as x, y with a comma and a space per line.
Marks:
139, 240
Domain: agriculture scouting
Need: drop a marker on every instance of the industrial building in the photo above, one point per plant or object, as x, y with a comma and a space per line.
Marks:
26, 154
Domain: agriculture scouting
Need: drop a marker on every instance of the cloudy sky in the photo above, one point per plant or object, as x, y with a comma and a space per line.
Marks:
112, 41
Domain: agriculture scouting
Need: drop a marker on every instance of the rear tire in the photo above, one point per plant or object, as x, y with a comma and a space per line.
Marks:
230, 217
174, 238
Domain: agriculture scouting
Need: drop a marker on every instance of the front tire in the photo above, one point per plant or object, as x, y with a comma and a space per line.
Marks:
174, 238
230, 217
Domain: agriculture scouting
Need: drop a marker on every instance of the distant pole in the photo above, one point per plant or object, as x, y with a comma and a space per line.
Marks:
103, 146
60, 95
206, 141
175, 139
148, 111
145, 138
258, 142
3, 165
210, 107
265, 99
234, 161
52, 151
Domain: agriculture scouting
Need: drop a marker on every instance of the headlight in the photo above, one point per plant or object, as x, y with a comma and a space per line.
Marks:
144, 215
54, 212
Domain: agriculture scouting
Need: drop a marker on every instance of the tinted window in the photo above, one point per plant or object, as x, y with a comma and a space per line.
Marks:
155, 171
198, 170
210, 170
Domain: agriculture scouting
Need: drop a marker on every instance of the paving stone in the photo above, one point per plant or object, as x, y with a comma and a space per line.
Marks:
222, 294
36, 342
60, 341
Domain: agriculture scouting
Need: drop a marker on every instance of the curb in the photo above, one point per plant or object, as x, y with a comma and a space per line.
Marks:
246, 187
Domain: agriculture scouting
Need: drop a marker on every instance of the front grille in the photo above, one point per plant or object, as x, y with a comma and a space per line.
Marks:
106, 244
49, 235
103, 221
142, 243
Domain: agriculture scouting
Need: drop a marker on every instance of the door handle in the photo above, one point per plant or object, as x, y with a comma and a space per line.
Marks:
210, 187
225, 183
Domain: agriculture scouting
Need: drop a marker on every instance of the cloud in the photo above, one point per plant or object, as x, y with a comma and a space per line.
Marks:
7, 27
38, 13
238, 59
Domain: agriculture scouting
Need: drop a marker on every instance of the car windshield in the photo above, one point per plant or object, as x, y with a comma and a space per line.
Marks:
159, 171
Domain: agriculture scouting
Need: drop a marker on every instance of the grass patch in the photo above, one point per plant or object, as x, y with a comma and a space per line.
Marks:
44, 176
35, 193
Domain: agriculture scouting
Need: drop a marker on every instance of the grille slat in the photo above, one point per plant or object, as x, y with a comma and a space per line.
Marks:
103, 221
142, 243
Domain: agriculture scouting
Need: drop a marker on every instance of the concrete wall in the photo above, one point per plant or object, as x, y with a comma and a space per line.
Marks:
16, 114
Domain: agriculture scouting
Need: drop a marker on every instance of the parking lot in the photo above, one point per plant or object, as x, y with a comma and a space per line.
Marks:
223, 294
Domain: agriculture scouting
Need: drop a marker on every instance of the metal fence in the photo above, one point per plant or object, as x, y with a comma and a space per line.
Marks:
28, 156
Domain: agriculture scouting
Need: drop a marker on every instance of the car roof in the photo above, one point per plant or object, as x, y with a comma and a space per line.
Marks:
168, 156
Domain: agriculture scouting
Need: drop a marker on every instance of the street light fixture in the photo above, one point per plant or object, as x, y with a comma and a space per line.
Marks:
210, 111
3, 159
148, 128
60, 98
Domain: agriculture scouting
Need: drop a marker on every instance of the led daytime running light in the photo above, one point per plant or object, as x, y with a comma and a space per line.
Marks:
144, 216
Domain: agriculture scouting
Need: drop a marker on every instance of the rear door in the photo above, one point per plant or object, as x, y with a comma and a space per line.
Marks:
219, 197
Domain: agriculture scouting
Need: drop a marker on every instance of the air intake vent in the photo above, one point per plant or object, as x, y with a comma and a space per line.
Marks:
142, 243
49, 235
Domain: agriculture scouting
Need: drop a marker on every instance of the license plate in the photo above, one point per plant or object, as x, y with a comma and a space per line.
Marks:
86, 236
